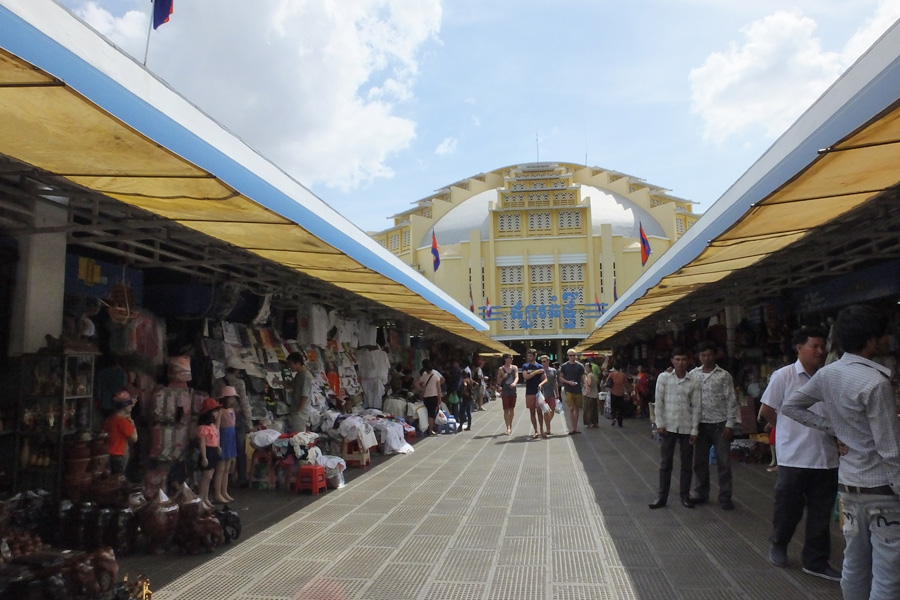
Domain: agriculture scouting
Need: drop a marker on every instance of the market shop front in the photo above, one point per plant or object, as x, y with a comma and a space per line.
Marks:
156, 266
809, 229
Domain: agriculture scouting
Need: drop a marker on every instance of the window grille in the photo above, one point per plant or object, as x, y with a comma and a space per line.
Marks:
509, 298
394, 242
405, 241
542, 297
538, 185
679, 225
569, 219
510, 223
541, 273
511, 275
539, 221
572, 272
515, 200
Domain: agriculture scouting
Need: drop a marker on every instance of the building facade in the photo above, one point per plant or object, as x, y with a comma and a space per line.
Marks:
539, 250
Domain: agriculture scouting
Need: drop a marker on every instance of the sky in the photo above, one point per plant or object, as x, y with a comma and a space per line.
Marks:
375, 104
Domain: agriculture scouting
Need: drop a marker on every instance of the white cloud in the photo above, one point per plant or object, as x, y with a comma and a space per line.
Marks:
317, 87
886, 15
767, 81
447, 146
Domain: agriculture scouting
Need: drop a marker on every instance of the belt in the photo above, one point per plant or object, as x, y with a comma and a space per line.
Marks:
881, 490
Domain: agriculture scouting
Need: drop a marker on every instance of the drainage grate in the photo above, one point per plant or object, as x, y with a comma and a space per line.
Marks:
479, 536
523, 551
582, 592
573, 538
255, 559
455, 591
513, 583
286, 580
387, 535
354, 523
422, 549
326, 546
218, 586
297, 534
486, 515
578, 567
466, 565
527, 526
358, 563
396, 582
440, 525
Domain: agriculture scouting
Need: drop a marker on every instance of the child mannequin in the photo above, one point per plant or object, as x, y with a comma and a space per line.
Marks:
120, 428
228, 442
210, 454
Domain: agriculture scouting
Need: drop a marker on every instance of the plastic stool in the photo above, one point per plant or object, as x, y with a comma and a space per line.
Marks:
262, 459
355, 455
312, 478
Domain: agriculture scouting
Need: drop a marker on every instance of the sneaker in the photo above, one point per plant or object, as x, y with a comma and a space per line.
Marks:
778, 555
825, 572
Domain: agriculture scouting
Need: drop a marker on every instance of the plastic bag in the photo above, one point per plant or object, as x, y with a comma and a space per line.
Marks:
542, 403
441, 418
559, 406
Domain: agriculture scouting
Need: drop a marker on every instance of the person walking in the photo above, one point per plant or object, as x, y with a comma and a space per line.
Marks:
808, 476
571, 375
677, 421
533, 374
429, 388
550, 389
861, 413
508, 379
591, 387
617, 393
718, 414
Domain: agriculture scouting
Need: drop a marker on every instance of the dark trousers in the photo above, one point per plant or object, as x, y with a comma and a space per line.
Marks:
712, 434
816, 490
457, 411
466, 413
666, 458
617, 407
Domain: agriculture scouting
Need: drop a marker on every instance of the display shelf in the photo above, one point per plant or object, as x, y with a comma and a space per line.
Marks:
54, 402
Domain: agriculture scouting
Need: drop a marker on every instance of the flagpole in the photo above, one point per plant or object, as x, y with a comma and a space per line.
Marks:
149, 31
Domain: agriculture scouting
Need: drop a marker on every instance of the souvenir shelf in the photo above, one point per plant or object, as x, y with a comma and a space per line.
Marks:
55, 401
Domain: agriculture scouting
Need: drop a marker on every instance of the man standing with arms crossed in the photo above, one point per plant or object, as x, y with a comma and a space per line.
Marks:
860, 412
677, 421
718, 414
808, 470
571, 374
302, 386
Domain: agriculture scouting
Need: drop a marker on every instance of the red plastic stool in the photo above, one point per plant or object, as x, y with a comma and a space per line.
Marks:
355, 455
312, 478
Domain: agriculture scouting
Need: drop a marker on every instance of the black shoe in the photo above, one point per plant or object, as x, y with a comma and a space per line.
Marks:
660, 503
699, 500
687, 502
727, 505
778, 555
825, 572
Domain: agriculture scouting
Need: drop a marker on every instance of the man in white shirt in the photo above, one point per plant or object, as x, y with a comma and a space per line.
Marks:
807, 463
677, 422
861, 412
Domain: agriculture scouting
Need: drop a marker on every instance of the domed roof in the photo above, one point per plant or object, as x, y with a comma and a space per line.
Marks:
606, 208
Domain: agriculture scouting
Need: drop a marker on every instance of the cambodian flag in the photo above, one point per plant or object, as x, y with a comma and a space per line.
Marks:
615, 293
471, 299
162, 9
487, 309
645, 245
597, 304
435, 252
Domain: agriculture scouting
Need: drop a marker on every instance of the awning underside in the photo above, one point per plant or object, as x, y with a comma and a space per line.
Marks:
53, 135
809, 229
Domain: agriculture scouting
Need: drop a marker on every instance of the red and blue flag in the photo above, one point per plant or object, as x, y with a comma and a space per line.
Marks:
487, 309
162, 10
645, 245
435, 253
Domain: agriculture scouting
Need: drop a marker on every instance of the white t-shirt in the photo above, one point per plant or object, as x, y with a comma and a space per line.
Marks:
432, 383
797, 445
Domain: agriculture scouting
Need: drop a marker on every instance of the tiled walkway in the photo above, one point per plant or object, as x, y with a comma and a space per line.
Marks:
483, 516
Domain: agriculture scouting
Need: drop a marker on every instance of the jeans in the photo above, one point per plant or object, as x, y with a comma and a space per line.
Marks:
815, 490
466, 414
872, 556
713, 434
666, 458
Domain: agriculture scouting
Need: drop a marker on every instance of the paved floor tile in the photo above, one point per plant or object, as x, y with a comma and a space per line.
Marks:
485, 516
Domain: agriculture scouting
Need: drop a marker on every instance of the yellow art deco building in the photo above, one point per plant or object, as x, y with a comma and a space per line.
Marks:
542, 248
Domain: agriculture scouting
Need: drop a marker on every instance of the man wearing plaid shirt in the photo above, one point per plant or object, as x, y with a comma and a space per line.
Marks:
718, 413
677, 421
861, 412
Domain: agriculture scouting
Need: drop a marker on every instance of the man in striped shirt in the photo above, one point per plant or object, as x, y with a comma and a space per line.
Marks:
861, 412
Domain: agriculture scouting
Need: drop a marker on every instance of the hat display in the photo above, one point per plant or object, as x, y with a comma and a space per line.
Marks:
209, 404
122, 399
228, 390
